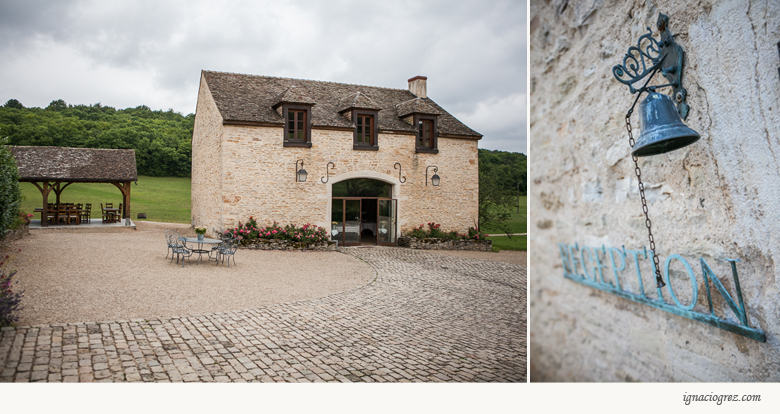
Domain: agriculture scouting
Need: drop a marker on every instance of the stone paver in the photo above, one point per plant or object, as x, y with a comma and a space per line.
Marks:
426, 318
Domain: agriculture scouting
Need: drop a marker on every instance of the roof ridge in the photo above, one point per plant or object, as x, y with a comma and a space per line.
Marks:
300, 79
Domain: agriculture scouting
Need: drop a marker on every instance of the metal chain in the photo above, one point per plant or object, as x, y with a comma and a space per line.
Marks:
658, 278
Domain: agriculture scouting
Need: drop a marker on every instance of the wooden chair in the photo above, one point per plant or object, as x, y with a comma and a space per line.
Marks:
118, 215
51, 214
86, 214
105, 214
73, 214
62, 213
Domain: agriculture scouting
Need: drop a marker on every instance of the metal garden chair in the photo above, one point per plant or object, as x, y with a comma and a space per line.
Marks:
179, 249
227, 248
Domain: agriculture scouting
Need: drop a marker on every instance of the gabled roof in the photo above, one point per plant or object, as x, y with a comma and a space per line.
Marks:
75, 164
295, 95
416, 105
357, 100
250, 98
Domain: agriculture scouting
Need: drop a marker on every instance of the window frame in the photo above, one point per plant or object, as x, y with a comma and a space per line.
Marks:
434, 148
306, 109
374, 144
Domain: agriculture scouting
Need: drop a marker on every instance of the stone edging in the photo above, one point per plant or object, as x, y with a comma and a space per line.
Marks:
441, 244
274, 244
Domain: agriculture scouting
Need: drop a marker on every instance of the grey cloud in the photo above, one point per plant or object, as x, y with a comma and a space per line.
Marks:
471, 51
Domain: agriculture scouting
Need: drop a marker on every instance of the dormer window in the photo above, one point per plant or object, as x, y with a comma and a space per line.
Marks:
296, 125
426, 134
364, 114
294, 105
366, 131
297, 129
424, 118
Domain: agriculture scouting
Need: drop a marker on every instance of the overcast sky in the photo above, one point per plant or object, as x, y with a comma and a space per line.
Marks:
130, 53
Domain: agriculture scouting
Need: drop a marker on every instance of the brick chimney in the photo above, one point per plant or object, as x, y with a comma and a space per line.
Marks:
417, 86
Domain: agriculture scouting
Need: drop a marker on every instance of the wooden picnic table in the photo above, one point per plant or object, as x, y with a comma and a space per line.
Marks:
55, 211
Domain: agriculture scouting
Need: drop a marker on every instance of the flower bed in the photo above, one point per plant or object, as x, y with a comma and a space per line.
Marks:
435, 239
276, 237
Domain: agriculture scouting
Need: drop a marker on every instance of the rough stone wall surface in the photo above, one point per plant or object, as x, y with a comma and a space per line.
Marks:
258, 178
718, 198
441, 244
206, 163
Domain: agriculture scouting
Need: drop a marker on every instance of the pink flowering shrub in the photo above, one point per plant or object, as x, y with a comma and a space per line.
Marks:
308, 233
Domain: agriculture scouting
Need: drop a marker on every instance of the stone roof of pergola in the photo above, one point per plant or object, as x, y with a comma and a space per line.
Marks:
75, 164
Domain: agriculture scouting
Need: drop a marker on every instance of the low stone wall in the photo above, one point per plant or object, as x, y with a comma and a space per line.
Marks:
273, 244
441, 244
15, 234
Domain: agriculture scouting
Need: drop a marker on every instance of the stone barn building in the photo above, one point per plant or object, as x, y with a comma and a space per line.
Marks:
371, 155
596, 313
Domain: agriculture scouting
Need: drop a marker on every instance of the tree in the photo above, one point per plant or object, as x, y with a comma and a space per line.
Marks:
13, 103
494, 204
58, 105
10, 192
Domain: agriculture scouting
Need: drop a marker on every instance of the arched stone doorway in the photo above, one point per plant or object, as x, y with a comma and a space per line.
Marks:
363, 212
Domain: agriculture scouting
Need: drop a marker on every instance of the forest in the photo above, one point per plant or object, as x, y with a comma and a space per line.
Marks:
161, 139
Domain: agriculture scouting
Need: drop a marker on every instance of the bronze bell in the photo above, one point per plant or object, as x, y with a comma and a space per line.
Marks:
662, 128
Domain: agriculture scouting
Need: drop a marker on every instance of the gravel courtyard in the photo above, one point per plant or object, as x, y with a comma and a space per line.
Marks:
100, 307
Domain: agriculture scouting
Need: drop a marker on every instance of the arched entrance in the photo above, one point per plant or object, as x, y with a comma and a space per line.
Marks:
363, 212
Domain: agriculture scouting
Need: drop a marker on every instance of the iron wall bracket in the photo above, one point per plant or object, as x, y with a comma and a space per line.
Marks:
650, 56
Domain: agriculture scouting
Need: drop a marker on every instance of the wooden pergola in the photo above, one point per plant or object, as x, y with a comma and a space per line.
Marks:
55, 168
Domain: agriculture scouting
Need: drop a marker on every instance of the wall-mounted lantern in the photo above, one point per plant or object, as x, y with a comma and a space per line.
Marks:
327, 172
300, 175
435, 179
660, 118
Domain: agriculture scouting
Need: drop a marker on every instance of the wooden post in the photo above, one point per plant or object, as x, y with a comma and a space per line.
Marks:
125, 189
127, 200
45, 190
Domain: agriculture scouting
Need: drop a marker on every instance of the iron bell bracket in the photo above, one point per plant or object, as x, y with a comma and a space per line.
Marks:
650, 56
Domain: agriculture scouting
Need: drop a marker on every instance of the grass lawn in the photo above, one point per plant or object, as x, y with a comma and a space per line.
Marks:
505, 243
517, 224
165, 199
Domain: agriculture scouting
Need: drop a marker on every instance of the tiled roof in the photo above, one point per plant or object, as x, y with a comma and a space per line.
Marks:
250, 98
357, 100
418, 105
294, 94
75, 164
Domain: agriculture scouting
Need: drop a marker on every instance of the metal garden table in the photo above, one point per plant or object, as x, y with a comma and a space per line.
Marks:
200, 250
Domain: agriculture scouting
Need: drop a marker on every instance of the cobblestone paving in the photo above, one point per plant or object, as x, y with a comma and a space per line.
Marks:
426, 317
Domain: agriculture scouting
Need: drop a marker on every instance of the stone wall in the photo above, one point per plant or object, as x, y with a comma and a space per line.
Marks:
715, 199
206, 163
441, 244
273, 244
257, 176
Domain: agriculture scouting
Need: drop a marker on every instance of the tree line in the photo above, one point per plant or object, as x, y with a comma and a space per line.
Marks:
502, 178
161, 139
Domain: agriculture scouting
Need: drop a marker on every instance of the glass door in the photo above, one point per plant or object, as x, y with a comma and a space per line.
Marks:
386, 221
352, 222
337, 220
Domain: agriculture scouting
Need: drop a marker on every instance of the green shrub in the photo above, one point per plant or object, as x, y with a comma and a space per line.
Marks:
434, 232
10, 193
